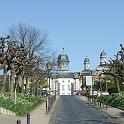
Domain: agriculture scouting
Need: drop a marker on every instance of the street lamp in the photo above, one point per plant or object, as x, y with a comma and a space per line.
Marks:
75, 76
49, 67
55, 88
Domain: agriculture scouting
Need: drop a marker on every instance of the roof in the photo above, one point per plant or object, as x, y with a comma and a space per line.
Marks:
66, 75
102, 66
86, 72
63, 57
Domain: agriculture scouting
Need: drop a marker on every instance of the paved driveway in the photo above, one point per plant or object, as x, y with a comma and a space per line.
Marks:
71, 110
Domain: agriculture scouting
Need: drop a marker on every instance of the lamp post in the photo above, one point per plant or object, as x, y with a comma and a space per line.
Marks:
49, 67
55, 88
75, 76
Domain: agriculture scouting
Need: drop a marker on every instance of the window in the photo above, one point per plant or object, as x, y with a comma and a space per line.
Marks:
63, 88
69, 88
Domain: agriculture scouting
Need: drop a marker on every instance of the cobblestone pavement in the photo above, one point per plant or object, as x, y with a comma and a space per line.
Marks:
71, 110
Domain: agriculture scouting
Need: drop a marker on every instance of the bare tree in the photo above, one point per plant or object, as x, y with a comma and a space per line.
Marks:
31, 38
34, 41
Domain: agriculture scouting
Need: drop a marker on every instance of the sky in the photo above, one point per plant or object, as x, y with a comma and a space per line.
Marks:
82, 27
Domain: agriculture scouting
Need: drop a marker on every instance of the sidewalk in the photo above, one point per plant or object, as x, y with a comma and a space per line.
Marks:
111, 111
38, 116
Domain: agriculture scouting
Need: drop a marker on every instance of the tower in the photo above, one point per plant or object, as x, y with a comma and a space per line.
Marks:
102, 58
63, 62
86, 63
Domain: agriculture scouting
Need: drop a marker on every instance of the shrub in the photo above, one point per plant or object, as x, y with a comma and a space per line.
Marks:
24, 103
115, 100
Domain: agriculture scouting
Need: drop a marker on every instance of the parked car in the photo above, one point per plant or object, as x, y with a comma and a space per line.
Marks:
83, 93
44, 93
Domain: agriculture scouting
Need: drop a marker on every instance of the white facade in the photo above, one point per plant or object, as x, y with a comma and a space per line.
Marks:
77, 84
65, 86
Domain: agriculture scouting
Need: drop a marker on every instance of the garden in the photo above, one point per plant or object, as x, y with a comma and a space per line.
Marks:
114, 100
24, 103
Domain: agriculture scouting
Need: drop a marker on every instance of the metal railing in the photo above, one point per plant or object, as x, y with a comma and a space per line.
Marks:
97, 102
49, 102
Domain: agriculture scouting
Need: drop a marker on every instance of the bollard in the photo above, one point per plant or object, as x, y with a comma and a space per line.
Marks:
28, 118
103, 103
95, 101
46, 106
100, 104
48, 103
18, 122
106, 106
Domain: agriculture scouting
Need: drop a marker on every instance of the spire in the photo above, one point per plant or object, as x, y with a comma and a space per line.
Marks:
62, 50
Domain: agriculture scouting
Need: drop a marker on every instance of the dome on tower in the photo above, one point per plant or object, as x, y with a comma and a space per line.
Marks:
86, 63
103, 63
63, 62
63, 57
86, 60
103, 53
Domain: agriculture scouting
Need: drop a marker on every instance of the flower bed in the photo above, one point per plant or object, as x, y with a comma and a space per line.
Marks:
24, 103
115, 100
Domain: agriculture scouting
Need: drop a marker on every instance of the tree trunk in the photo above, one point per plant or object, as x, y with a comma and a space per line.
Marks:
4, 80
12, 82
117, 83
26, 87
22, 84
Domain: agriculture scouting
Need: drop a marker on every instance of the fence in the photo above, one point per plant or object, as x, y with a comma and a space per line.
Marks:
96, 101
49, 102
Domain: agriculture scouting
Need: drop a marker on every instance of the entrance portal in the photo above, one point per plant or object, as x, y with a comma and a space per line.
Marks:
65, 87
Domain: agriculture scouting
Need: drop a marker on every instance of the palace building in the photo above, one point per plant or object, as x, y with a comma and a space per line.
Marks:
64, 81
